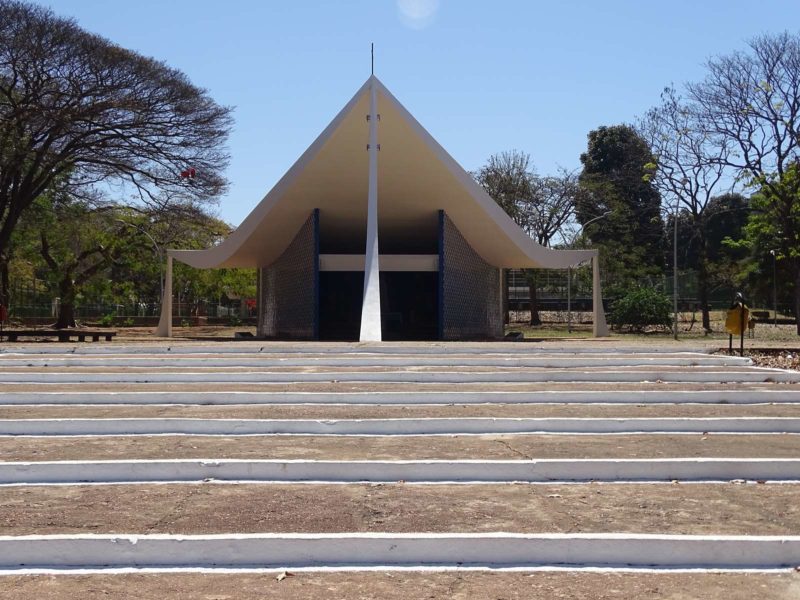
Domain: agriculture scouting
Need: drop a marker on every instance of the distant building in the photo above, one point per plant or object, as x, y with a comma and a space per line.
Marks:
376, 233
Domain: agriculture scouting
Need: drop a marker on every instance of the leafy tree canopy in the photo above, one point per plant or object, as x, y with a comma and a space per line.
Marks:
613, 181
80, 114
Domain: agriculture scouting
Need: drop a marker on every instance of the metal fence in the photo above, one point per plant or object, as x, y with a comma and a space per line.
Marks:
552, 291
201, 308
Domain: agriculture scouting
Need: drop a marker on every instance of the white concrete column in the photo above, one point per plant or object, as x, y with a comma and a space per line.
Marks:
165, 322
599, 327
371, 306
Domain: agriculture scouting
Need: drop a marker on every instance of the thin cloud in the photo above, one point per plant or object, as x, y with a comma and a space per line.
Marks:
417, 14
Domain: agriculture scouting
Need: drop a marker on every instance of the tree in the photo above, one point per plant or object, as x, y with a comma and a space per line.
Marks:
73, 103
540, 205
551, 205
773, 224
612, 180
90, 253
688, 167
70, 242
749, 102
506, 177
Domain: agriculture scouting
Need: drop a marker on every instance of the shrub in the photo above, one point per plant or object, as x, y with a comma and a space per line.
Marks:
640, 308
107, 320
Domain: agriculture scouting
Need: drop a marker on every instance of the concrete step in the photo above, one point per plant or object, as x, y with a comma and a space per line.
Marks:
384, 550
235, 471
705, 375
399, 426
377, 360
607, 394
288, 348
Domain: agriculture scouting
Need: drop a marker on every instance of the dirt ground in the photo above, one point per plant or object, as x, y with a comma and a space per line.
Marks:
479, 585
488, 447
712, 509
333, 411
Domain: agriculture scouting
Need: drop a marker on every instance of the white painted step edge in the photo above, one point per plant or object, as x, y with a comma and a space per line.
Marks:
237, 361
662, 396
264, 377
401, 426
345, 348
398, 550
419, 471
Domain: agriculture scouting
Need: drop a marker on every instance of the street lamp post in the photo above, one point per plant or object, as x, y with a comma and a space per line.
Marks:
675, 271
774, 287
569, 268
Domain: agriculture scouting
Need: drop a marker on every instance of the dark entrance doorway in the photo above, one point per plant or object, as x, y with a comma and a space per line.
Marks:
340, 297
409, 305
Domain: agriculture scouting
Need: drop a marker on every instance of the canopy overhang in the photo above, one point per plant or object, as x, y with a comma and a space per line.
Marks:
416, 179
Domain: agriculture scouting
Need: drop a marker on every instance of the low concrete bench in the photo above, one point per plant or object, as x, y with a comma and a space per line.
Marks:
63, 335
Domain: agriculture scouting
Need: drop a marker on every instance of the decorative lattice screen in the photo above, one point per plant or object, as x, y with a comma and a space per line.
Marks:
288, 288
470, 287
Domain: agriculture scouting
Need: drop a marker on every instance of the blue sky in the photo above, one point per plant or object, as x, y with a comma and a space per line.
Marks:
481, 76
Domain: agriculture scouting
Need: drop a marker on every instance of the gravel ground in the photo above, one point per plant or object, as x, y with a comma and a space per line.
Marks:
487, 447
299, 411
404, 585
711, 509
782, 359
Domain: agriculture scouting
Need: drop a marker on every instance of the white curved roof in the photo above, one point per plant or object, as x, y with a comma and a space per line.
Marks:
416, 178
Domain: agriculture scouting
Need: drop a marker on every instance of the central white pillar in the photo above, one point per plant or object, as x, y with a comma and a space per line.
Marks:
164, 328
371, 306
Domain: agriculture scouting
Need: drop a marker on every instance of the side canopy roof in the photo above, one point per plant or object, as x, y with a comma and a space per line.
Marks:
416, 179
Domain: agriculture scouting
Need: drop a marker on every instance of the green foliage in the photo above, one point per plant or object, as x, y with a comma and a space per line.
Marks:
108, 254
614, 180
77, 110
107, 320
639, 308
773, 225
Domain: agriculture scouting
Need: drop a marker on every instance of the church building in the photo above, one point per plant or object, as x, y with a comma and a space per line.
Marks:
376, 233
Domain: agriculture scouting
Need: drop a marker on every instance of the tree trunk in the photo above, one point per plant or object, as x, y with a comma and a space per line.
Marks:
5, 285
66, 313
535, 320
702, 288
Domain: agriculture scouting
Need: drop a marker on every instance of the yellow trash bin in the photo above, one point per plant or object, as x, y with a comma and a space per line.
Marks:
735, 321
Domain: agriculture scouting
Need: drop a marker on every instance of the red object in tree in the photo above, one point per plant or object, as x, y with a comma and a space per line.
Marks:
188, 173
